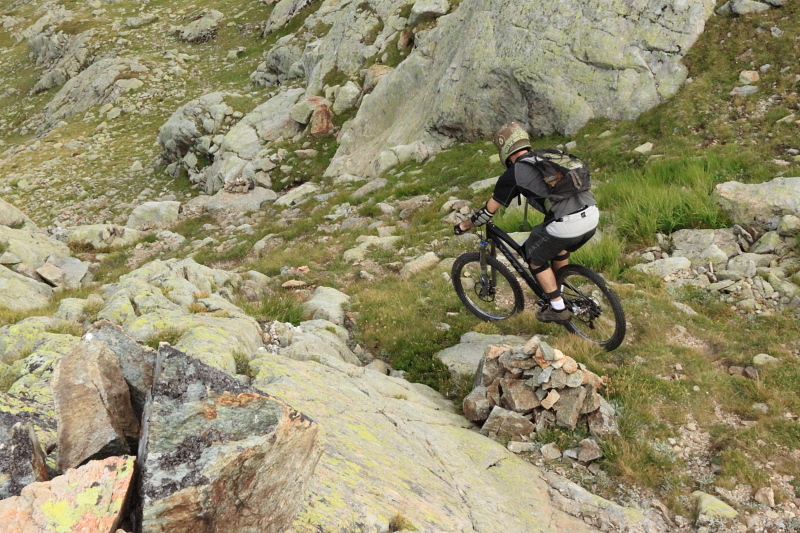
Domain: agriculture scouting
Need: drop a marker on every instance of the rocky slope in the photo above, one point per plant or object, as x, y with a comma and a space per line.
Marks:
203, 206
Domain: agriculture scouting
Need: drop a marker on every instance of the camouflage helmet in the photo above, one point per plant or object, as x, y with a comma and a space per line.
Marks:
510, 139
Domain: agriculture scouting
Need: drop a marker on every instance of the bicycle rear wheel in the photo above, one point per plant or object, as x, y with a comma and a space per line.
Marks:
598, 315
496, 296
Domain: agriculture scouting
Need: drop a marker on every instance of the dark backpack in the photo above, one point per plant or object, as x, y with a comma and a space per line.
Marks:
565, 174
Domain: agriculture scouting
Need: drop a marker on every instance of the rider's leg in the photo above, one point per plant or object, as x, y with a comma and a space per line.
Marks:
547, 279
560, 261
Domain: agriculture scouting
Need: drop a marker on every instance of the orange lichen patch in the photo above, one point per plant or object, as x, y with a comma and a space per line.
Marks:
239, 400
209, 412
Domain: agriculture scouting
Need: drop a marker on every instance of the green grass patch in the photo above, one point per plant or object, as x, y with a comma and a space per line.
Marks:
665, 197
286, 308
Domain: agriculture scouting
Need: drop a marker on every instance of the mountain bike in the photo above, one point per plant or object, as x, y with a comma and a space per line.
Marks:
490, 291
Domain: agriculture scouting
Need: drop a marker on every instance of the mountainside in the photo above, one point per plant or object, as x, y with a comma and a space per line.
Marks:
269, 187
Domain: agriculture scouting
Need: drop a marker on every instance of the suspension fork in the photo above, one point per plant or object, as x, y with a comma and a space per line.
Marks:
486, 250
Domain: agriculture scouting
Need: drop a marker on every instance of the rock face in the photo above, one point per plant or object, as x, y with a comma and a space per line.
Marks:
61, 55
90, 498
15, 410
630, 52
97, 85
392, 447
760, 203
22, 460
92, 404
19, 293
218, 455
137, 362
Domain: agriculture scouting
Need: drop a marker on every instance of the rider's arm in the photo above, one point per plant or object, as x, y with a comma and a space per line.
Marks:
491, 207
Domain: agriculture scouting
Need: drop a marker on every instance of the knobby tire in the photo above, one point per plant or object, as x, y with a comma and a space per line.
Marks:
472, 300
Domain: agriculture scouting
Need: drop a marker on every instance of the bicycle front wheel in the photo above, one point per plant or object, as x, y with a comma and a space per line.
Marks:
598, 315
494, 296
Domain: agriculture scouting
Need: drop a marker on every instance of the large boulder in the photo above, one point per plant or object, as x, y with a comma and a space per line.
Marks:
99, 236
283, 12
665, 267
190, 124
136, 362
760, 203
203, 29
19, 293
61, 55
154, 215
218, 455
90, 498
267, 122
235, 160
97, 85
702, 246
31, 247
327, 304
396, 448
283, 62
428, 9
13, 217
92, 404
463, 358
616, 63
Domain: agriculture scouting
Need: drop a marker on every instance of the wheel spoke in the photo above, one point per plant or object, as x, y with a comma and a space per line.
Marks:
595, 306
493, 296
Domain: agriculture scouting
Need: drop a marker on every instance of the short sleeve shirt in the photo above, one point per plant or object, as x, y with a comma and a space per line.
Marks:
507, 189
537, 192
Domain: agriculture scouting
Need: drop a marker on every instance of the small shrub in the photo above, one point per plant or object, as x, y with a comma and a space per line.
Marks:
196, 308
91, 310
170, 335
243, 364
68, 328
400, 523
370, 210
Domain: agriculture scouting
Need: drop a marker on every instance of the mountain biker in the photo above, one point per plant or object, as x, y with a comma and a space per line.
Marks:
569, 222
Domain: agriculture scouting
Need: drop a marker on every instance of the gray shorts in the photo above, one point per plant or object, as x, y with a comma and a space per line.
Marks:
541, 247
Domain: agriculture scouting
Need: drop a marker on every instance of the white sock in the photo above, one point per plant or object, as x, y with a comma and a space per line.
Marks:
558, 305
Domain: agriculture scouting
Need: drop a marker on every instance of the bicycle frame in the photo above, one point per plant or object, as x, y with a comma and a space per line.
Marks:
502, 240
